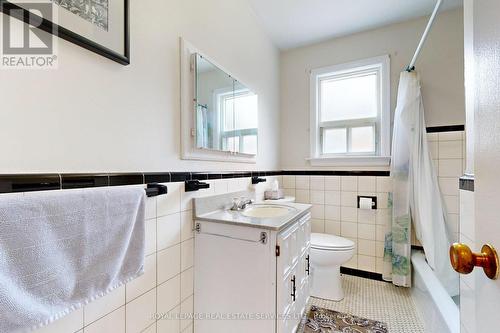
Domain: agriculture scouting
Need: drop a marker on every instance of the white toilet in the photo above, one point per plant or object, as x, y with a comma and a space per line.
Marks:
328, 253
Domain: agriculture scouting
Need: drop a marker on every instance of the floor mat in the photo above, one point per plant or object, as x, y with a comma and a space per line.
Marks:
320, 320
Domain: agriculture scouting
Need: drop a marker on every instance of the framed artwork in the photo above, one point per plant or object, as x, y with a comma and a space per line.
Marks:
100, 26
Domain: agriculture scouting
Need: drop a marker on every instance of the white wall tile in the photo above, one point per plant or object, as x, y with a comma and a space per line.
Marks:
432, 137
150, 329
318, 225
168, 231
382, 200
366, 247
302, 196
302, 182
332, 227
171, 202
367, 216
332, 183
317, 183
169, 263
113, 322
145, 282
150, 236
187, 254
383, 216
349, 199
187, 283
186, 225
349, 183
169, 294
450, 149
452, 203
366, 263
318, 212
379, 265
318, 197
332, 213
348, 229
349, 214
139, 312
150, 211
220, 186
353, 263
170, 323
187, 308
380, 232
451, 167
451, 136
449, 185
384, 184
366, 231
104, 305
379, 249
332, 198
367, 184
289, 182
289, 192
434, 149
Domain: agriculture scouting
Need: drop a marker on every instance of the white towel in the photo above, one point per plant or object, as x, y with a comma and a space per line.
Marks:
60, 250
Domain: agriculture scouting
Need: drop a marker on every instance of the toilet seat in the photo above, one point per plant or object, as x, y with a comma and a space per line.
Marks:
327, 242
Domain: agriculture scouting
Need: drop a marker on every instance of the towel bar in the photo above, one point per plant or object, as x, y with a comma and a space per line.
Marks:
154, 190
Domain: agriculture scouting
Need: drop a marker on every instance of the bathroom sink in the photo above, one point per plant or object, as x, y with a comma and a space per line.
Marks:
267, 211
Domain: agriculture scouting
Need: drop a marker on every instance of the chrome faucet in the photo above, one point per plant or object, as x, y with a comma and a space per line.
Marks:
241, 203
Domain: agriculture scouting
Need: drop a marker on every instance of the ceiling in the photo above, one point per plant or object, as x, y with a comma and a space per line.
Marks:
294, 23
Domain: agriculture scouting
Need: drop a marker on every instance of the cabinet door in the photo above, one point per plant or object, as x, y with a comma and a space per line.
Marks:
287, 302
287, 242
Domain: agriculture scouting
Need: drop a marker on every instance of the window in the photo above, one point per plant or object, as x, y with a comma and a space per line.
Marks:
238, 115
350, 115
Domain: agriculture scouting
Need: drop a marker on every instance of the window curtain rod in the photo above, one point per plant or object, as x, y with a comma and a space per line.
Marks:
411, 66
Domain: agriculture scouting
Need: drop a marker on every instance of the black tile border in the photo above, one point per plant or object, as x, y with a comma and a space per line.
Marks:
449, 128
362, 274
334, 173
467, 183
29, 183
12, 183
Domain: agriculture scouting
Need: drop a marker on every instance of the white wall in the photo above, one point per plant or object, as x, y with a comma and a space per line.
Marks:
440, 66
93, 115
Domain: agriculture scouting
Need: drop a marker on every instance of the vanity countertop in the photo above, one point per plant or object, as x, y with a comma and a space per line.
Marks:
274, 223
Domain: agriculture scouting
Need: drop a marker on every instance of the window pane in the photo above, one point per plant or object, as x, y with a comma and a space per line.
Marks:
362, 139
232, 143
250, 144
335, 141
228, 109
245, 115
351, 97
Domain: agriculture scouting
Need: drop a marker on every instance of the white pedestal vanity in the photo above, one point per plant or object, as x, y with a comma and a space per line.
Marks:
251, 266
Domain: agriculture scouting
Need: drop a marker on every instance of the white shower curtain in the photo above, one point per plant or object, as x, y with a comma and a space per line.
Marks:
416, 195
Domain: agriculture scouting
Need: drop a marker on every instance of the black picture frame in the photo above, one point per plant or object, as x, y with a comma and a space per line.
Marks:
72, 37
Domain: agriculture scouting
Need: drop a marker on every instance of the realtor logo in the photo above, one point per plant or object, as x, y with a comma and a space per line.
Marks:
24, 44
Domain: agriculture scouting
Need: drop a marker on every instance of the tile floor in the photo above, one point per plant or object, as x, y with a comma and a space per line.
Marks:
377, 300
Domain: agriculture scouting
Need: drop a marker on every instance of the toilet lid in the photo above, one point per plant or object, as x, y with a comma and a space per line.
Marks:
330, 242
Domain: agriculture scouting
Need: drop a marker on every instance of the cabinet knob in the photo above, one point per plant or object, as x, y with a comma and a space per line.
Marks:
464, 260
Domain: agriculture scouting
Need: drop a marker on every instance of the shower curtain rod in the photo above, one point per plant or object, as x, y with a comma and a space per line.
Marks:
411, 66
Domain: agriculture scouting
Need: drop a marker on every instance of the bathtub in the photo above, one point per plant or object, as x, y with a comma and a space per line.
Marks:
440, 313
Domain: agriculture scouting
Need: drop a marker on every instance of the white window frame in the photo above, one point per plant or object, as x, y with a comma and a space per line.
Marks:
381, 156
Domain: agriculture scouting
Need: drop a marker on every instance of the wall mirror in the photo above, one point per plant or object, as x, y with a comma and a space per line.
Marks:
226, 111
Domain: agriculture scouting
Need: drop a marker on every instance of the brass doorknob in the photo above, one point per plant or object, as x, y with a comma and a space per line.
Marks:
464, 260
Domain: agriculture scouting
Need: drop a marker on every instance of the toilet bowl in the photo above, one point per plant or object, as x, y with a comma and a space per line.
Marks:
328, 253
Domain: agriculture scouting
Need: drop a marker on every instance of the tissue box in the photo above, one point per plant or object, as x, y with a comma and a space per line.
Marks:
274, 195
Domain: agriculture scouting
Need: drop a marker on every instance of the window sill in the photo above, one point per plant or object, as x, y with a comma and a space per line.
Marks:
380, 161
